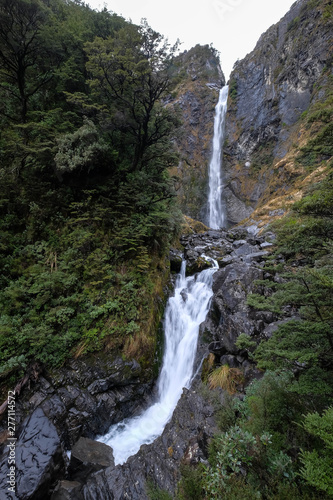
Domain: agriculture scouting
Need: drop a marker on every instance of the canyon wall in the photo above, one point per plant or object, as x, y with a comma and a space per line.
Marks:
271, 93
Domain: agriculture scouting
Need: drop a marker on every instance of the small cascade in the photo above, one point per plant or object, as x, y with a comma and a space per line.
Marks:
185, 311
216, 215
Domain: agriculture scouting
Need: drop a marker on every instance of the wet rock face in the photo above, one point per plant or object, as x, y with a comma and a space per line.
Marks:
231, 286
268, 92
176, 258
87, 396
82, 399
39, 458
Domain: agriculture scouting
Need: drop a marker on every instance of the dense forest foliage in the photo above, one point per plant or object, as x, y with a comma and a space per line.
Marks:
86, 203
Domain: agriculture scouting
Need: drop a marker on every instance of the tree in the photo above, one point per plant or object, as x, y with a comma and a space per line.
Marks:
23, 50
130, 77
80, 151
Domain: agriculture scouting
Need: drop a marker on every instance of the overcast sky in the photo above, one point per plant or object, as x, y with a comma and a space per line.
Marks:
232, 26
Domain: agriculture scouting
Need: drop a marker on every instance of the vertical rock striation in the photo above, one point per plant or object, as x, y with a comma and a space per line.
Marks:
270, 89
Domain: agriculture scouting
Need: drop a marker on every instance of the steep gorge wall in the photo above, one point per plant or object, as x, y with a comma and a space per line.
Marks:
270, 91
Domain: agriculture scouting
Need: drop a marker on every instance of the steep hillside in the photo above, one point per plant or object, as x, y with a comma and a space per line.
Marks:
279, 135
86, 198
200, 78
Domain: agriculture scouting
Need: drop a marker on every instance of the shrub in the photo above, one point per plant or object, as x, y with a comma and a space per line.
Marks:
318, 464
227, 378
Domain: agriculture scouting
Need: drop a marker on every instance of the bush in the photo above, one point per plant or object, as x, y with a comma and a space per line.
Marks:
229, 379
318, 463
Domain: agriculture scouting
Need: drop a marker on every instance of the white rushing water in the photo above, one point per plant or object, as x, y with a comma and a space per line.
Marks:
184, 313
216, 217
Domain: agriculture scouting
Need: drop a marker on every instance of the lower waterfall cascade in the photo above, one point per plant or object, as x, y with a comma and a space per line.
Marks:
185, 311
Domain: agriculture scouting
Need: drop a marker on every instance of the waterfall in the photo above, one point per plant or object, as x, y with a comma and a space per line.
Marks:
184, 313
216, 218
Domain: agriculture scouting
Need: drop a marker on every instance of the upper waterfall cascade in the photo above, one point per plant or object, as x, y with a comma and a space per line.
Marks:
185, 311
216, 216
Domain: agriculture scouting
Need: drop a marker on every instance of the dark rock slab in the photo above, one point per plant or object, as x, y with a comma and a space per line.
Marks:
86, 396
89, 456
224, 261
246, 249
117, 483
176, 258
256, 256
39, 459
229, 360
68, 490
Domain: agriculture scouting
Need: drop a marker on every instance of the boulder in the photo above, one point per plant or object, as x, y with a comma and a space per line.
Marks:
89, 456
229, 360
67, 490
176, 258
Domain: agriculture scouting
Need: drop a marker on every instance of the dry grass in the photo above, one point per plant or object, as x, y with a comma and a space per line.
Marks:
228, 379
139, 345
193, 226
210, 361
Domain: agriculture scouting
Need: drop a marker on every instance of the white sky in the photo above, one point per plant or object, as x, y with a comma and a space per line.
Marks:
232, 26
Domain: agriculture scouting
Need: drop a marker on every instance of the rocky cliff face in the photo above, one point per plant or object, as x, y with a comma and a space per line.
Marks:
285, 77
83, 398
200, 79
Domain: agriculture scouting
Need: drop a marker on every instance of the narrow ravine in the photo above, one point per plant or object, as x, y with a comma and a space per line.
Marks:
216, 212
185, 311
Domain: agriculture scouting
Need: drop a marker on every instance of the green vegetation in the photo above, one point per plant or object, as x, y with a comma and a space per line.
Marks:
87, 207
319, 148
200, 61
263, 157
156, 493
233, 89
318, 465
293, 24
